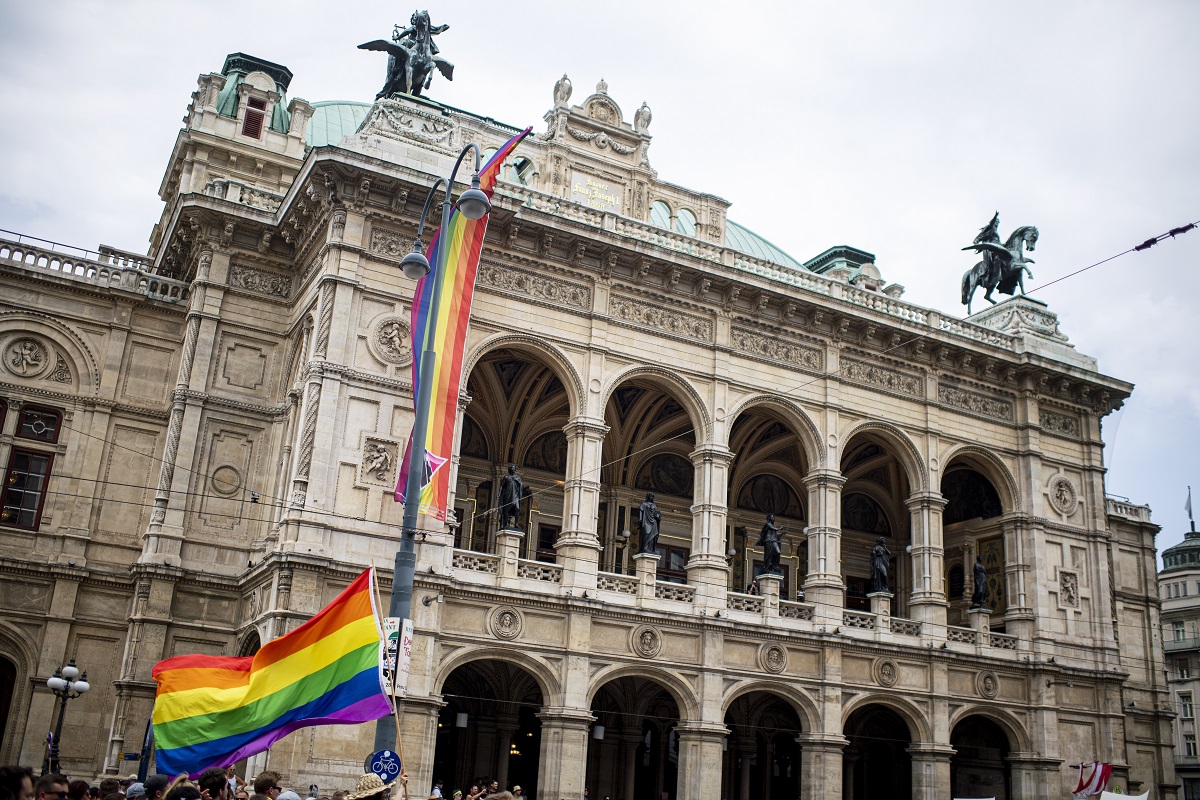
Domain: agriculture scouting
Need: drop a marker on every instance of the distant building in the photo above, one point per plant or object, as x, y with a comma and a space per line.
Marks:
1179, 590
201, 443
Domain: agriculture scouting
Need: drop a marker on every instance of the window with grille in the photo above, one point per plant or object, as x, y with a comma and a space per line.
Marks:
39, 424
252, 124
25, 488
1189, 745
1186, 708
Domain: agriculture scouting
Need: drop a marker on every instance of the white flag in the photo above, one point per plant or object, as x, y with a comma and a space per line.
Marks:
1188, 505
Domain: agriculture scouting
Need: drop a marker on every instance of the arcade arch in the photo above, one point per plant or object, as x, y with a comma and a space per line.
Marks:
979, 766
633, 748
979, 491
762, 758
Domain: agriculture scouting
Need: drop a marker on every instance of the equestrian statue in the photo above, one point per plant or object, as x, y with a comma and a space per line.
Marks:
1003, 265
412, 56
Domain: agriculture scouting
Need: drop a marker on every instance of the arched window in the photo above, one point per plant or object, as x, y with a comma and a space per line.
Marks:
660, 214
521, 171
685, 222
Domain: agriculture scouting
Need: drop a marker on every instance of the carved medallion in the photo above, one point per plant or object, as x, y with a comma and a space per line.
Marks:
646, 641
26, 357
886, 672
391, 340
772, 658
1063, 496
506, 622
226, 480
987, 684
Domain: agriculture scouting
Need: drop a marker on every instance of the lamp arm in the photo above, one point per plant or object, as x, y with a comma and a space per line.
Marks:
458, 163
425, 209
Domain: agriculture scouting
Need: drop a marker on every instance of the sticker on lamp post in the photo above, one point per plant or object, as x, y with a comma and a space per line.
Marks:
398, 638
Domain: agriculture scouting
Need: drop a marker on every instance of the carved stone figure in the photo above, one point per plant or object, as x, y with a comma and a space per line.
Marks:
979, 597
769, 540
880, 558
412, 57
26, 356
377, 461
641, 118
1003, 265
562, 90
649, 519
512, 488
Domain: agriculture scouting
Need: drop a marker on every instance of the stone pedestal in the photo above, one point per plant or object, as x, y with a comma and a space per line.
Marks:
645, 565
768, 587
881, 607
508, 547
980, 621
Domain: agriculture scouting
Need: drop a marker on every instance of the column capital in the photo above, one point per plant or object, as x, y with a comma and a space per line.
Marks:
566, 717
822, 741
584, 426
702, 730
711, 452
925, 499
930, 751
824, 477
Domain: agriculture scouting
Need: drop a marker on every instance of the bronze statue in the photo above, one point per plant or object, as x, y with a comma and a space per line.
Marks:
979, 596
1003, 265
880, 556
412, 56
649, 519
512, 488
769, 540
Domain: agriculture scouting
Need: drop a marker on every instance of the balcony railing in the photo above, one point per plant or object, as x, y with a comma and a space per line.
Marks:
1175, 645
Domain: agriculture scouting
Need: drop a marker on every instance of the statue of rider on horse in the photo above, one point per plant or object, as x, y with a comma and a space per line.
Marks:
412, 56
1003, 265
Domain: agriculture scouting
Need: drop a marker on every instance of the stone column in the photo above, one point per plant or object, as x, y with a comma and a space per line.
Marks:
931, 771
746, 747
578, 546
707, 568
630, 743
504, 737
824, 586
821, 765
564, 749
418, 734
1018, 615
700, 759
1035, 776
928, 602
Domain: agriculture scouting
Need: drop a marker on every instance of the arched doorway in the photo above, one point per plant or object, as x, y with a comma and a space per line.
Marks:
489, 726
766, 476
633, 750
876, 764
971, 524
8, 685
762, 756
979, 766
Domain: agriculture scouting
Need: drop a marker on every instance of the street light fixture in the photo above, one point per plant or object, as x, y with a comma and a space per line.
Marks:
65, 687
473, 204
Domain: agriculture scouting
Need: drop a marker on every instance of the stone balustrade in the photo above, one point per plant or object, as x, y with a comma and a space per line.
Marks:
109, 268
1123, 508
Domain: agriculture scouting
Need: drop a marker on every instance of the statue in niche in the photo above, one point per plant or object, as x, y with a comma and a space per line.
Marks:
1003, 265
412, 57
770, 540
648, 520
979, 575
562, 90
641, 118
512, 488
880, 558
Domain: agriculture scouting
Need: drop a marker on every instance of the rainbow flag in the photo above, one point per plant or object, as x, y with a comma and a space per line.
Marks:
211, 711
464, 238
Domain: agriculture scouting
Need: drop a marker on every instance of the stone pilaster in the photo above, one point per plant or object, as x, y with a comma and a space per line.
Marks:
821, 759
700, 759
928, 602
931, 771
824, 586
564, 751
1035, 776
707, 568
578, 546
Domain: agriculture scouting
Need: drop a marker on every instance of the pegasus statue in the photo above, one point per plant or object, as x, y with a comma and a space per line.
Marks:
412, 57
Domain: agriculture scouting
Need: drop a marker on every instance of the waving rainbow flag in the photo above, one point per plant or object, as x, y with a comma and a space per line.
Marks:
464, 238
211, 711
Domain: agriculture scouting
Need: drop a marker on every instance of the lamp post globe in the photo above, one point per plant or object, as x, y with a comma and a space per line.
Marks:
65, 687
415, 265
473, 203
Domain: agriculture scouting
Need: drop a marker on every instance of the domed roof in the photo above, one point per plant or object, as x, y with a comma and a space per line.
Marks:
746, 241
1185, 555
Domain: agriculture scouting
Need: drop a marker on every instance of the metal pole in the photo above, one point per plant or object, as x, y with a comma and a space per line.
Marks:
62, 712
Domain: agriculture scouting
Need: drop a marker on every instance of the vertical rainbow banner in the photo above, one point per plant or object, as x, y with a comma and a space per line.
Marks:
463, 239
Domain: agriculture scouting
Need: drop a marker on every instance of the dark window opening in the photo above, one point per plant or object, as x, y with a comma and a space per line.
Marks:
40, 424
25, 488
253, 122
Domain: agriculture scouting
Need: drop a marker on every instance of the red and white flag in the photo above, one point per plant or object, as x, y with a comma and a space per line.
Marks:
1094, 781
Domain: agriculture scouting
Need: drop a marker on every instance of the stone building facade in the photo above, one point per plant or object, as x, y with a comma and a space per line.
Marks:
202, 442
1179, 591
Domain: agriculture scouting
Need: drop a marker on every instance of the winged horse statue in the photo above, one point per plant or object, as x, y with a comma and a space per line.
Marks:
412, 57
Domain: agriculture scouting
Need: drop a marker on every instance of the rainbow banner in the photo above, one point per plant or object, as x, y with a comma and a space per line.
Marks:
211, 711
464, 238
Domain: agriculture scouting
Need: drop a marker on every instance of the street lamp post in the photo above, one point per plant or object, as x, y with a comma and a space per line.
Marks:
473, 204
65, 687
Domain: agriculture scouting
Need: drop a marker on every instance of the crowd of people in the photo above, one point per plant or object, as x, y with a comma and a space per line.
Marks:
19, 783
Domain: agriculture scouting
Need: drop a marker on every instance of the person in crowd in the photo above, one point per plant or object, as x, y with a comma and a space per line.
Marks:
268, 783
156, 786
135, 791
371, 787
51, 786
437, 788
183, 790
17, 781
214, 784
77, 790
109, 786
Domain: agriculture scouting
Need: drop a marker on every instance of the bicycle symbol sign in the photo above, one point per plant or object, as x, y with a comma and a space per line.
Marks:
385, 764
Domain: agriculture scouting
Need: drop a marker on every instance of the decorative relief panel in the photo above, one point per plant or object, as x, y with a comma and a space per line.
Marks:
987, 684
776, 350
378, 458
1068, 589
62, 371
537, 287
260, 281
390, 340
1063, 497
666, 320
391, 244
397, 121
886, 672
1060, 424
27, 357
976, 403
772, 658
646, 641
892, 380
245, 366
506, 622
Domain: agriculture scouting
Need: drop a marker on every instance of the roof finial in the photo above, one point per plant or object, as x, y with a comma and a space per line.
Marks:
602, 87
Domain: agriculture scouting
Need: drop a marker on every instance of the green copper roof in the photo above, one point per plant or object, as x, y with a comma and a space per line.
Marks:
333, 119
747, 241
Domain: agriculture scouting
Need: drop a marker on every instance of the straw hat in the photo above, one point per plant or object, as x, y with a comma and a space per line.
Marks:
368, 785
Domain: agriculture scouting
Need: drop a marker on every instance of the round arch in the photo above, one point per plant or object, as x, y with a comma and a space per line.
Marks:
541, 672
794, 415
913, 716
992, 468
906, 452
683, 695
87, 374
13, 646
679, 387
555, 359
799, 700
1018, 739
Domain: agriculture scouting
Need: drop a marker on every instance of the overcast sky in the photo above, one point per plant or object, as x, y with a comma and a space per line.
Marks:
898, 128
